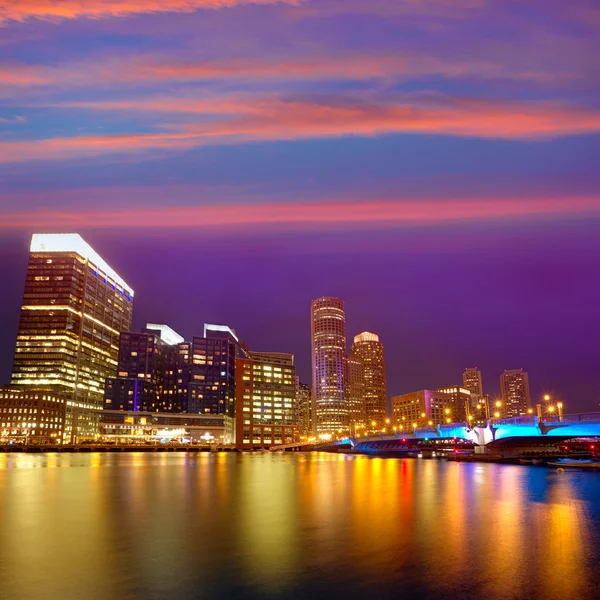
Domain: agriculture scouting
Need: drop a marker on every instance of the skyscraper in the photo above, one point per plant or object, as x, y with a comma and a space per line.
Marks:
212, 381
328, 353
472, 382
368, 347
304, 408
153, 373
516, 399
355, 392
74, 308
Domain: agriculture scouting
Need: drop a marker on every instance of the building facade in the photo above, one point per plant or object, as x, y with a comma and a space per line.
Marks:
472, 381
265, 401
516, 398
152, 375
355, 393
74, 308
420, 409
305, 418
461, 401
212, 375
328, 353
368, 347
32, 416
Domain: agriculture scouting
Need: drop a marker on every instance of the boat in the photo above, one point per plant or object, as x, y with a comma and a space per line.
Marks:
526, 461
538, 461
573, 463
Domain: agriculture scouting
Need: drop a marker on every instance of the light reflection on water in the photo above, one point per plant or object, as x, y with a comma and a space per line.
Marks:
153, 526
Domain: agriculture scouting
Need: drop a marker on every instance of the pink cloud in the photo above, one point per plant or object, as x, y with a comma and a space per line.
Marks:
325, 213
236, 121
21, 10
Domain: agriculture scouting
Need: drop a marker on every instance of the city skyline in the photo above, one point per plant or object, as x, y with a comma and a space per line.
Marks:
395, 375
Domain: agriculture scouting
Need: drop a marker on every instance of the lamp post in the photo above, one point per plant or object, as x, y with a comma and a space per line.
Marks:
560, 410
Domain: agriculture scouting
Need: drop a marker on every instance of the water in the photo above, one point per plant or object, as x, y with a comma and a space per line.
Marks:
161, 526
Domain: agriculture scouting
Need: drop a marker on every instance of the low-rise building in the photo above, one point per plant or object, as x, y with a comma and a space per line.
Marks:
421, 408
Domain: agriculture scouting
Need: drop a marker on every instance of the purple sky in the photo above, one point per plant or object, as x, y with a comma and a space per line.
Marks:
435, 163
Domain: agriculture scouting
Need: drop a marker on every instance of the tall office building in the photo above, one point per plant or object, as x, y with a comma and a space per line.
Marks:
328, 353
304, 408
265, 392
514, 386
472, 382
74, 308
355, 393
212, 375
153, 374
368, 347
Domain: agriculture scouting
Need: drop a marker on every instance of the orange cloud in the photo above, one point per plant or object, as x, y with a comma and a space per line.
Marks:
324, 213
21, 10
263, 120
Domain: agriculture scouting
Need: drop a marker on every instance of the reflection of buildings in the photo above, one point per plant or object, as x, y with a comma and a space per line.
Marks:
265, 397
421, 408
514, 386
74, 308
328, 352
368, 347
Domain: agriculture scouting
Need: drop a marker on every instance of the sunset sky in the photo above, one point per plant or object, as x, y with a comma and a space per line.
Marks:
435, 163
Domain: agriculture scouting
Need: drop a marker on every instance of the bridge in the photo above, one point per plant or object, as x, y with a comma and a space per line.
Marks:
496, 433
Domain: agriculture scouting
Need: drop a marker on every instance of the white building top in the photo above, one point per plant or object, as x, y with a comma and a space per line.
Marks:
225, 328
167, 335
73, 242
366, 336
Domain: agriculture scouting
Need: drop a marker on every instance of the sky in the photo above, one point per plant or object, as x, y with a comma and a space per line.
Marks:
434, 163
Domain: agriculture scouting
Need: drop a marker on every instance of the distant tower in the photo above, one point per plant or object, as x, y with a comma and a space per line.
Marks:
516, 398
328, 352
472, 382
355, 393
368, 347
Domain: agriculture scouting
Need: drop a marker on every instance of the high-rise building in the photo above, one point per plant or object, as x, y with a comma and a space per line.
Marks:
355, 393
421, 409
153, 375
304, 408
74, 308
514, 386
212, 376
265, 394
368, 347
472, 382
328, 352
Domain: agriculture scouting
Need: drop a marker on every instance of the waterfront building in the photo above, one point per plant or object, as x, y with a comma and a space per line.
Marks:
31, 415
355, 393
368, 347
265, 394
421, 408
304, 408
461, 403
472, 382
516, 398
212, 375
139, 426
74, 308
328, 353
152, 374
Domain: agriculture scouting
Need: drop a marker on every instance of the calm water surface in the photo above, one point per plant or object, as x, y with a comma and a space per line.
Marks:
160, 526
